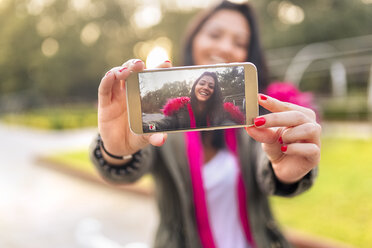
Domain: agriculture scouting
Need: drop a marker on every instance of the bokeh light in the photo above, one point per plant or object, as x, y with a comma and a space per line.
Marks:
46, 26
35, 7
79, 5
90, 34
49, 47
147, 16
154, 52
289, 13
3, 4
97, 9
156, 56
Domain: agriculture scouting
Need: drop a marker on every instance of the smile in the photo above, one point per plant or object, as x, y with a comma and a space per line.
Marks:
204, 93
217, 59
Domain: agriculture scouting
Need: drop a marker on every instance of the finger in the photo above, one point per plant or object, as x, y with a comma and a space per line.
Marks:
263, 135
134, 65
275, 105
105, 89
308, 150
158, 139
122, 73
281, 119
308, 132
165, 64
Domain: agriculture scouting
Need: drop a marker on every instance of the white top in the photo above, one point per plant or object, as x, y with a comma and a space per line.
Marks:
220, 176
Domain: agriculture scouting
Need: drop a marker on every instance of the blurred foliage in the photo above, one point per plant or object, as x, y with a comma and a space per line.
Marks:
56, 52
323, 20
66, 117
154, 101
353, 107
231, 81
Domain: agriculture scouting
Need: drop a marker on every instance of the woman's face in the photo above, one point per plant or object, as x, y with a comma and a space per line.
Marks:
204, 88
223, 38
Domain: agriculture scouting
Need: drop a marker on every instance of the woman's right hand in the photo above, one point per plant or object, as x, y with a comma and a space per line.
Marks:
113, 122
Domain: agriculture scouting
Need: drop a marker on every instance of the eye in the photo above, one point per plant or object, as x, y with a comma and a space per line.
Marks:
214, 35
241, 43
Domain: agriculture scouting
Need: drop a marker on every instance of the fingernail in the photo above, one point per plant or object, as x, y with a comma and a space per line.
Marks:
167, 61
108, 73
122, 69
137, 61
263, 97
283, 148
281, 140
259, 121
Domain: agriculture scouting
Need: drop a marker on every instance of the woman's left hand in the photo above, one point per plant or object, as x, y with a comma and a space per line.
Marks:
290, 136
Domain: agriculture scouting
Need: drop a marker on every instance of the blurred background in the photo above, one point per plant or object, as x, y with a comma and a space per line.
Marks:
52, 57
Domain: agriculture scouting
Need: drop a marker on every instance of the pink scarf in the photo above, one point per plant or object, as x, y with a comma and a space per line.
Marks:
195, 158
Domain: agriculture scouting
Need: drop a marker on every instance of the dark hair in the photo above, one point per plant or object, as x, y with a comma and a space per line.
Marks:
213, 104
255, 54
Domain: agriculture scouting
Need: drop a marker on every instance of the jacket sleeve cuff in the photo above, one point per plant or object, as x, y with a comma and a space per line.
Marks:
119, 174
271, 185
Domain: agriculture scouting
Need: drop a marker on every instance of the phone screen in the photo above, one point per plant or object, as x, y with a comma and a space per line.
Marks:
192, 99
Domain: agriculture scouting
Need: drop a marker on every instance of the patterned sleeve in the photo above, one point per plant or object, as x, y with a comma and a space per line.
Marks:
140, 164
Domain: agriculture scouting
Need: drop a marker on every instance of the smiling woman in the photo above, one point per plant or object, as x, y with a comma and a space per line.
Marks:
202, 107
223, 38
198, 206
204, 88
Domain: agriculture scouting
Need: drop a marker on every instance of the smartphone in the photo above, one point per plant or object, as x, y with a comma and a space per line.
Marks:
189, 98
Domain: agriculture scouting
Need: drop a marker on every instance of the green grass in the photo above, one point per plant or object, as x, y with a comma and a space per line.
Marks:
79, 161
56, 118
74, 160
339, 205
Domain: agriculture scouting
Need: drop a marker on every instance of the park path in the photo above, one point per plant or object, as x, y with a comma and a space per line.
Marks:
43, 208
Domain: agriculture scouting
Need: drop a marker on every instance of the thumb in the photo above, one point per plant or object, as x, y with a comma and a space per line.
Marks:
158, 139
263, 135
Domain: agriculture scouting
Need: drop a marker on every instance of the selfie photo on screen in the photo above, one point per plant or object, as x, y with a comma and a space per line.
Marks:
197, 98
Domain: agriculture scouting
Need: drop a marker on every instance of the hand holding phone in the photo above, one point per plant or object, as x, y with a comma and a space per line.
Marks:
192, 98
113, 124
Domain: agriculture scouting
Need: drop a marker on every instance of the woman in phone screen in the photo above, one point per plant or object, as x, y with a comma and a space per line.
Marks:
212, 187
203, 108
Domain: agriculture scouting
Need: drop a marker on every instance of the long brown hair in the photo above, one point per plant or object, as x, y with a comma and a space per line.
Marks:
214, 103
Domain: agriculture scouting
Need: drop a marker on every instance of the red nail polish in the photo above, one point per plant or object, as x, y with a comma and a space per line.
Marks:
137, 61
108, 73
259, 121
263, 97
281, 140
283, 148
122, 69
167, 61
